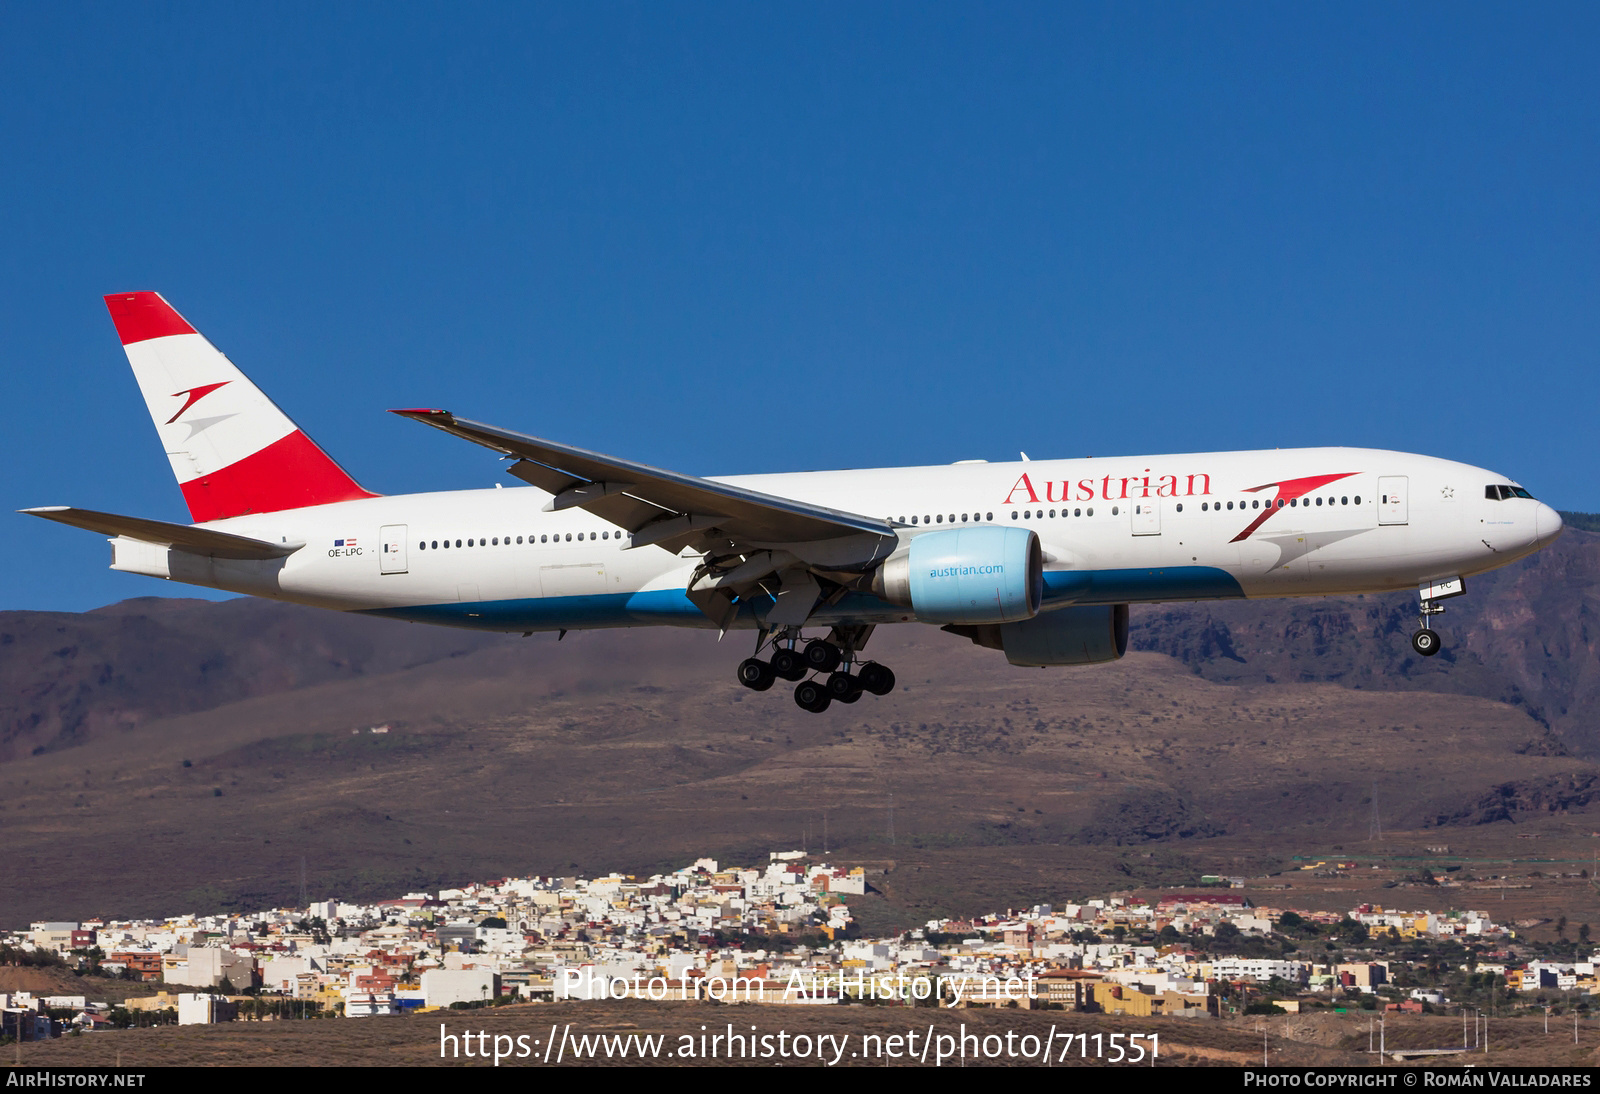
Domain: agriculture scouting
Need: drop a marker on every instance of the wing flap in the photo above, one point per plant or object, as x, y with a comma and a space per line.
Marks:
182, 537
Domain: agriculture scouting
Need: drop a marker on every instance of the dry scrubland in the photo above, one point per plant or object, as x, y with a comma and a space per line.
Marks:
1321, 1039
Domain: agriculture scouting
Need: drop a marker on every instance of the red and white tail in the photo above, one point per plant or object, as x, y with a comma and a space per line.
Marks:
233, 451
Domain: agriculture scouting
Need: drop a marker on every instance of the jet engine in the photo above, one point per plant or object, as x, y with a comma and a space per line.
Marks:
966, 575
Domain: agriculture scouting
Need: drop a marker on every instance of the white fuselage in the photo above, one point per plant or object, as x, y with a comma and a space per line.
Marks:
1113, 530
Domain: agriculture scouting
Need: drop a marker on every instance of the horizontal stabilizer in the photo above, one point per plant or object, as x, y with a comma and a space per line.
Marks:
182, 537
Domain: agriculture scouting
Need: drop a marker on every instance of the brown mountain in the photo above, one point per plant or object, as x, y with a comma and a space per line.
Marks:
68, 678
1527, 635
195, 754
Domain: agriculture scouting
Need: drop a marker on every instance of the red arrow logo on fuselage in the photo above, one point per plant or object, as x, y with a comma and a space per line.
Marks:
1288, 490
195, 395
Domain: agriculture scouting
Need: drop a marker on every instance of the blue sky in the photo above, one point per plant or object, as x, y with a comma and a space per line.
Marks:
733, 238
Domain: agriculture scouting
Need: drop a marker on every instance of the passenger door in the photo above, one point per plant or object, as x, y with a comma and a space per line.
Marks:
392, 549
1146, 517
1392, 508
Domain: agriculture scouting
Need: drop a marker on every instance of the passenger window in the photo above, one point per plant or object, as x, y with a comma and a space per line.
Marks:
1115, 510
1180, 507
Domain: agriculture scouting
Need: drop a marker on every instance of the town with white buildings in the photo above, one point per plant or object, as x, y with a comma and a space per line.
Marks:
779, 933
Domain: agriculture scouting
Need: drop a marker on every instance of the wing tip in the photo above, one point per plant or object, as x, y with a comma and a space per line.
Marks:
141, 316
427, 416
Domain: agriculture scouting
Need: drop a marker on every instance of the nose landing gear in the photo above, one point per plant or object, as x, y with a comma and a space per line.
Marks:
1426, 641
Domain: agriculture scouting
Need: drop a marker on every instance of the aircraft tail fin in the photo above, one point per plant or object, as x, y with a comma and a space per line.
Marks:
232, 450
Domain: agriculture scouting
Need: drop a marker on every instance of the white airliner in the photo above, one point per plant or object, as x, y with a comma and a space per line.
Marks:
1039, 559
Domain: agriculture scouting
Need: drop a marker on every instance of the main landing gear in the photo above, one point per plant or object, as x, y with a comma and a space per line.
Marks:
832, 659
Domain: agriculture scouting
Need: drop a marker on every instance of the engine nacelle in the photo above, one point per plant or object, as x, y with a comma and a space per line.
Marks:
1068, 636
966, 575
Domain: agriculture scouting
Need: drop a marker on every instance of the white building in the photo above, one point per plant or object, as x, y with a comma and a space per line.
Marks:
197, 1009
441, 987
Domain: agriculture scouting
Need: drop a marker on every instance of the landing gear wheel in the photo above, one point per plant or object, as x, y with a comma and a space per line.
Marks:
812, 696
822, 656
844, 687
1426, 642
789, 665
876, 678
756, 674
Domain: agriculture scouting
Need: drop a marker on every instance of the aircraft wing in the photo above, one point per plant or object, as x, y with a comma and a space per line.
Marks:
658, 506
183, 537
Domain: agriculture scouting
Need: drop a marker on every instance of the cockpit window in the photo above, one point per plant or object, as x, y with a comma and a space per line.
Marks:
1503, 491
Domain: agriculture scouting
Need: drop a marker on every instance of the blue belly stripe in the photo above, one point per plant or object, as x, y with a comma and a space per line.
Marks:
669, 607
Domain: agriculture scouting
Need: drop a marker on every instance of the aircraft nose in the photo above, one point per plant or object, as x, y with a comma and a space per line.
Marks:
1547, 524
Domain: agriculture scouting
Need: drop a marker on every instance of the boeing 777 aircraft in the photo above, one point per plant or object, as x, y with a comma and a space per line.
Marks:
1038, 559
